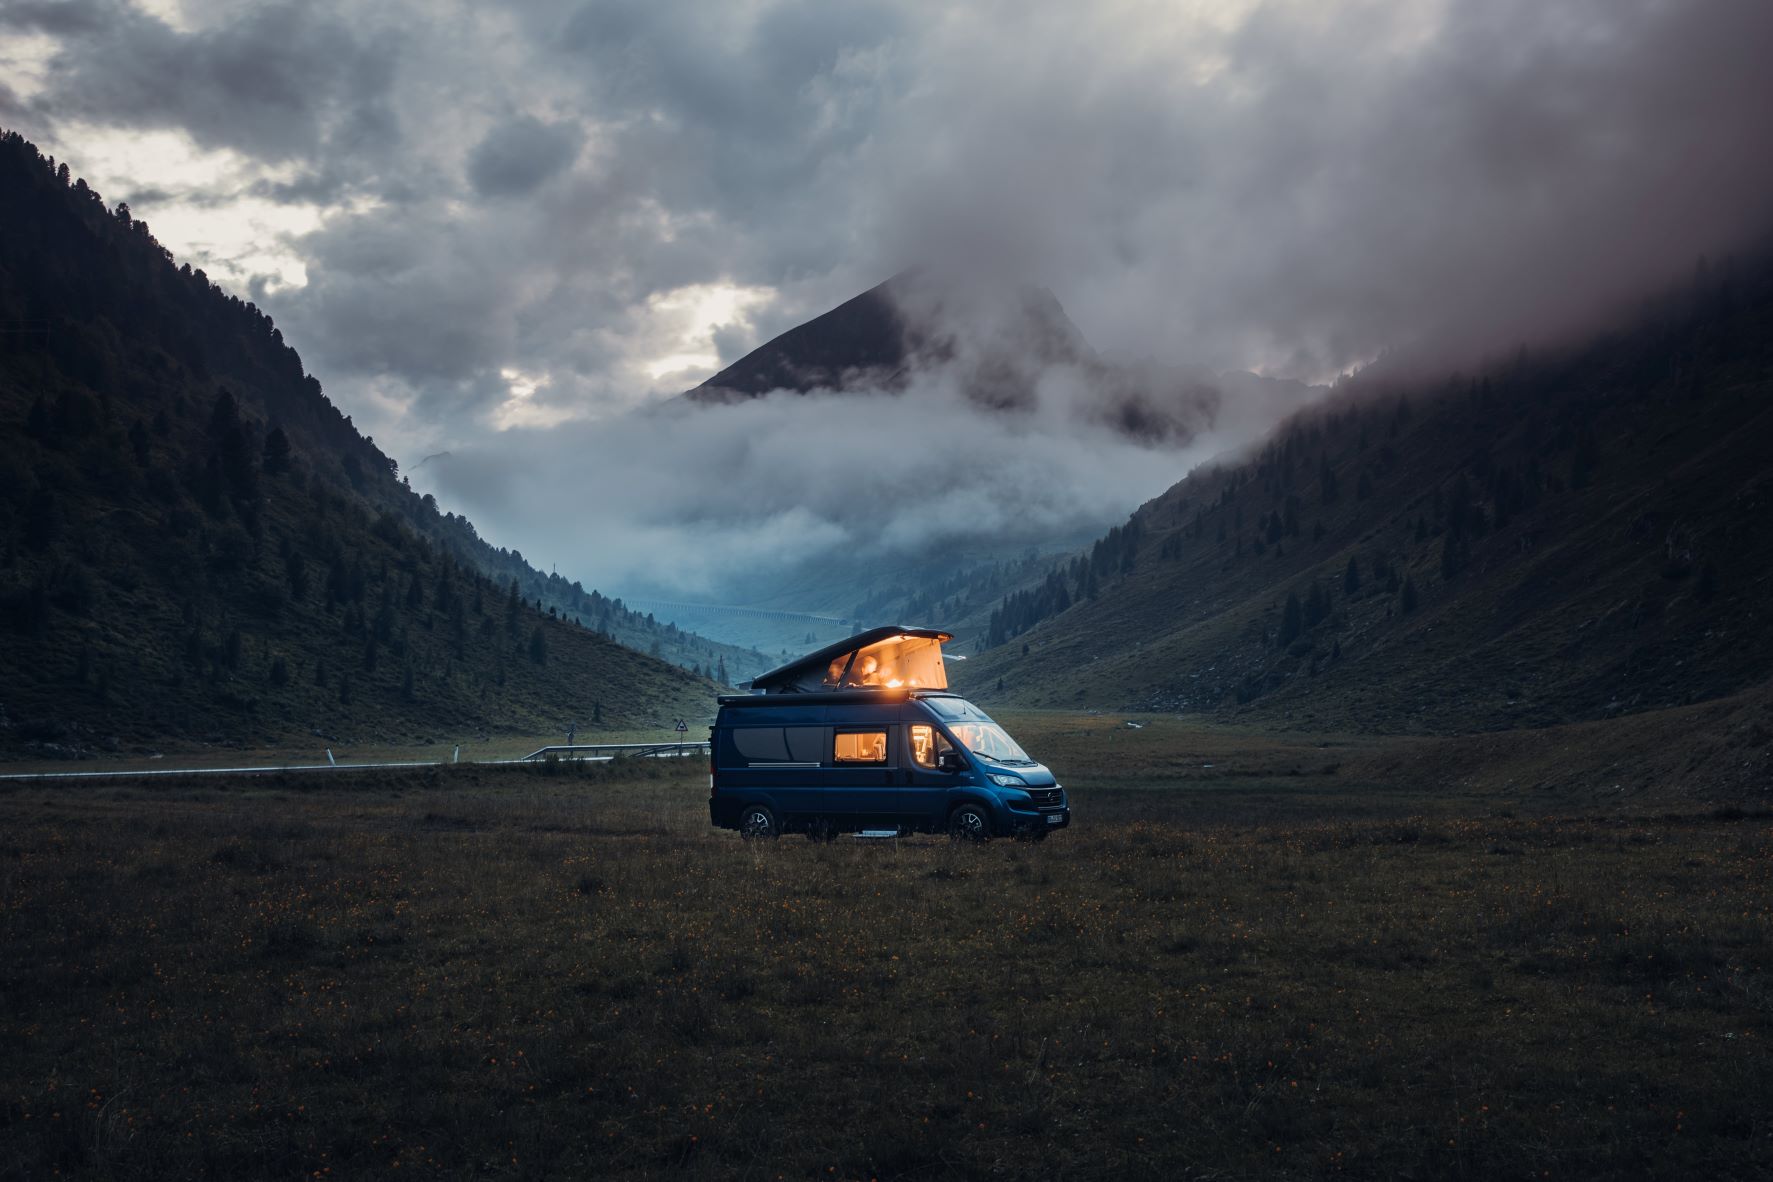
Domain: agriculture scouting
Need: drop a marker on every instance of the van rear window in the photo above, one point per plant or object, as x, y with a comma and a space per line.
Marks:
861, 747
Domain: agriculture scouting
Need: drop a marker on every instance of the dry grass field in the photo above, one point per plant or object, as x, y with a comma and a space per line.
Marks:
1282, 971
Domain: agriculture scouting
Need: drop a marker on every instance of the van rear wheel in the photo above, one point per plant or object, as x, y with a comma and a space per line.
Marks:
757, 821
969, 823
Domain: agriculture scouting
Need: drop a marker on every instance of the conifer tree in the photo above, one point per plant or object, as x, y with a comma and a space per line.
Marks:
138, 444
276, 460
1292, 620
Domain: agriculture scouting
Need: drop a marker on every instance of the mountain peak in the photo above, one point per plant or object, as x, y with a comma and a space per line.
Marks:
922, 315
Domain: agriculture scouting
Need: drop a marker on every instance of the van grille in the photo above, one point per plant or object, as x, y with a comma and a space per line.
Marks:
1047, 798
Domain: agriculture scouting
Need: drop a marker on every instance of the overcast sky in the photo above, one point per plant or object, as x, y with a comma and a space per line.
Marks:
479, 222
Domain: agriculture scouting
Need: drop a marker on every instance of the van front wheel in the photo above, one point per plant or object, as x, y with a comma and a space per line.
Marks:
969, 823
757, 821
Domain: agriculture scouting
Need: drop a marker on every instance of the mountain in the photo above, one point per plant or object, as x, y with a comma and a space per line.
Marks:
1565, 537
992, 338
918, 317
197, 546
1002, 345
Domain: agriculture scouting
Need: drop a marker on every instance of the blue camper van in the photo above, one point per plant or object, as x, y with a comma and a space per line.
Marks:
863, 736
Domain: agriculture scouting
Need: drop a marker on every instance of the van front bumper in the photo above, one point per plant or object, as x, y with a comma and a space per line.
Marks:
1041, 821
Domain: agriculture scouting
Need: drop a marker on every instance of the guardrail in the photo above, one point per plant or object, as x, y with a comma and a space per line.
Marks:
597, 751
586, 752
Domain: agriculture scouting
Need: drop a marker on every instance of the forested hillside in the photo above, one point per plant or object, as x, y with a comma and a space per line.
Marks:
1564, 536
196, 545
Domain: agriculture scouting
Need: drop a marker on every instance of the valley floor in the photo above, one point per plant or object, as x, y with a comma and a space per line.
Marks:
1314, 957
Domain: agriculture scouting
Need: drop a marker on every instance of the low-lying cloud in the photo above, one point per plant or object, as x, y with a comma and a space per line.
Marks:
695, 499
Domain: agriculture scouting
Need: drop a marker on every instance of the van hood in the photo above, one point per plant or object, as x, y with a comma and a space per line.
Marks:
1036, 776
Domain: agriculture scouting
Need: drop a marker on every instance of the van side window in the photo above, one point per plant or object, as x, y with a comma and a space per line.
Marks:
861, 747
760, 744
923, 745
806, 744
774, 744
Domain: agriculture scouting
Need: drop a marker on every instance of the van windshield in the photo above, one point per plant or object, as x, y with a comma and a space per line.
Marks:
987, 740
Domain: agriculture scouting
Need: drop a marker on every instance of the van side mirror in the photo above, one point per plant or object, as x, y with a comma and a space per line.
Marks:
951, 761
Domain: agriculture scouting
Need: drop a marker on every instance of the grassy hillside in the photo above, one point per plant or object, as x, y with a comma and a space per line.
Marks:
1563, 537
196, 546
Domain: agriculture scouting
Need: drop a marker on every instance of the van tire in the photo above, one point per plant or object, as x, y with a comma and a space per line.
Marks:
969, 822
756, 821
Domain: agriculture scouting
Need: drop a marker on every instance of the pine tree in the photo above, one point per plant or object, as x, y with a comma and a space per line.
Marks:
1292, 620
1317, 605
1351, 577
295, 569
38, 423
1452, 556
538, 646
276, 460
1706, 588
1407, 597
229, 446
138, 444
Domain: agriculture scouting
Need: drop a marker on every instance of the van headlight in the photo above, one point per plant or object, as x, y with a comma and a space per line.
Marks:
1006, 781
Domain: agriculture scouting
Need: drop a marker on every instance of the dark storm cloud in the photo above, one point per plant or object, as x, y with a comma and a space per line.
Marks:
1345, 178
520, 154
516, 199
277, 81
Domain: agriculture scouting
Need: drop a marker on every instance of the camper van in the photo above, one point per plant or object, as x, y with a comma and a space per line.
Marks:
864, 737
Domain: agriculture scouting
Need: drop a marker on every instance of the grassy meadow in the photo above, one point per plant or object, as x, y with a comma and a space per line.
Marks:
1306, 964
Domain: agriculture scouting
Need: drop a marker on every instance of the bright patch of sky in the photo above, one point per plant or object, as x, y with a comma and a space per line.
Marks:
691, 314
198, 203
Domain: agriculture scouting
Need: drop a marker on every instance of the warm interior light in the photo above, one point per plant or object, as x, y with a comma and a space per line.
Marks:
897, 662
894, 663
923, 744
860, 747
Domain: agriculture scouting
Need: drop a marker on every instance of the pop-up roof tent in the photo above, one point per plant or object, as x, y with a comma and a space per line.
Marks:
880, 658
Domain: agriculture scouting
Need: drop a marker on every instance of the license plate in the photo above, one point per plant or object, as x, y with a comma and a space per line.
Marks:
1054, 818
